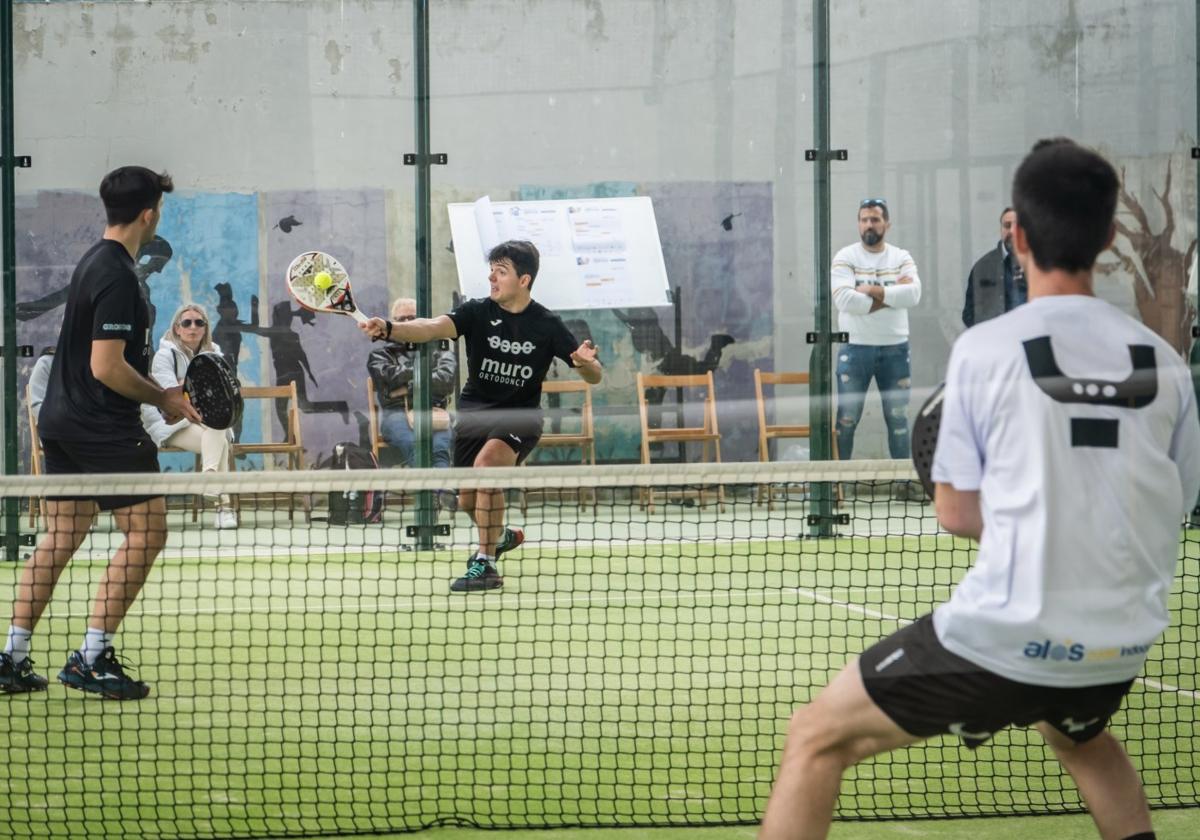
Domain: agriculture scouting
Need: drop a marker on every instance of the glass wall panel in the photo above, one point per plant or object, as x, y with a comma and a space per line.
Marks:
283, 125
937, 107
704, 108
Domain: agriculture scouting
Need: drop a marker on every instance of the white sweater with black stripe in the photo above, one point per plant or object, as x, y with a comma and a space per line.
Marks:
854, 266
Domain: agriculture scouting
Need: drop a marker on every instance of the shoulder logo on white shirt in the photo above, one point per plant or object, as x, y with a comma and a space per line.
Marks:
1137, 390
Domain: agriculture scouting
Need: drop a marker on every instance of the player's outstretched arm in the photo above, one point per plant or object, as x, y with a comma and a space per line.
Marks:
587, 364
417, 331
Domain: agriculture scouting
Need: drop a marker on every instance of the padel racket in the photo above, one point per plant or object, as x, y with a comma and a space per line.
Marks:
925, 435
319, 282
212, 387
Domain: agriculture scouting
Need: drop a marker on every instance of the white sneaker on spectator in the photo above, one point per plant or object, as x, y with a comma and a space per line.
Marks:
226, 518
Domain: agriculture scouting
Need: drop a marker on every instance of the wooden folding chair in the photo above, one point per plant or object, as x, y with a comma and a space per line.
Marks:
377, 441
775, 431
583, 438
291, 447
708, 435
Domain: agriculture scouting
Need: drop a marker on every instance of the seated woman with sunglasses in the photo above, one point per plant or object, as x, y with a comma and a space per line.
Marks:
188, 335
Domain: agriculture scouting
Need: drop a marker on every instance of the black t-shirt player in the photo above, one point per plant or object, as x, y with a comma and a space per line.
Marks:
511, 341
105, 301
508, 353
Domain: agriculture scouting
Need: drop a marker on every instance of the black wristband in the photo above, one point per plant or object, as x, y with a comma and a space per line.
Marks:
388, 333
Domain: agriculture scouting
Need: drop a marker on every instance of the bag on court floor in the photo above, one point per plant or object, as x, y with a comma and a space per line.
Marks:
353, 507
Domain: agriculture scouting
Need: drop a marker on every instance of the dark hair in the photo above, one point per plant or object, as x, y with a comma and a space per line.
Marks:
129, 190
881, 203
1065, 197
523, 255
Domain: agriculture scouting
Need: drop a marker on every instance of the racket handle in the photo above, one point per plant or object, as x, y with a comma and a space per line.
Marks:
358, 316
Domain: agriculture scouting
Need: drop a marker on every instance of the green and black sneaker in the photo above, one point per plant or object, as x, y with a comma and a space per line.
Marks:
18, 677
481, 575
510, 539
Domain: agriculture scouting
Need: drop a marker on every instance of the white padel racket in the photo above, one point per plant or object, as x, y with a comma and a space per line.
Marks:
319, 282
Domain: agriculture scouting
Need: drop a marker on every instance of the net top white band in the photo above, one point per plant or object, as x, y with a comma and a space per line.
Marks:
498, 478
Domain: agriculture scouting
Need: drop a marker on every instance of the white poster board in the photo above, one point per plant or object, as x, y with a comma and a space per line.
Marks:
596, 253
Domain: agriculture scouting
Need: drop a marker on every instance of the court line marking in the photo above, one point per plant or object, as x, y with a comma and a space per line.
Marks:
309, 604
515, 600
851, 607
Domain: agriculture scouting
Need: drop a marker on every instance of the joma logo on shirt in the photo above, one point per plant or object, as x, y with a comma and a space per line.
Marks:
116, 327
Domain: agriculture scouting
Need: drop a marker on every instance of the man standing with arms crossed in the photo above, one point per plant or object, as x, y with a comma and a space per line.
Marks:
91, 422
511, 340
1069, 448
874, 284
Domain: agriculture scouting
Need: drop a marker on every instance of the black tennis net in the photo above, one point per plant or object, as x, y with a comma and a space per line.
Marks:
311, 671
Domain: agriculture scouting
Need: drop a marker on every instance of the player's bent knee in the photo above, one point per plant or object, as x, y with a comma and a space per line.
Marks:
807, 733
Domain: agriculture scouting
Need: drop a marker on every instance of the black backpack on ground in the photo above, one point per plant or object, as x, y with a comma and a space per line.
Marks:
353, 507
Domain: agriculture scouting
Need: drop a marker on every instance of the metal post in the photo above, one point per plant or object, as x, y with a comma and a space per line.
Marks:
423, 432
677, 300
820, 366
8, 260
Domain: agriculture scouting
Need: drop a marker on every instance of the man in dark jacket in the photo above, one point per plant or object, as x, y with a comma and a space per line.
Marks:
996, 283
391, 368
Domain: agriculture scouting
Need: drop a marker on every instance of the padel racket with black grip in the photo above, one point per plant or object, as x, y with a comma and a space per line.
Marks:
925, 435
212, 387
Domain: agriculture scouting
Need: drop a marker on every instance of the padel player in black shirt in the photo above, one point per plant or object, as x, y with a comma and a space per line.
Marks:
90, 422
511, 341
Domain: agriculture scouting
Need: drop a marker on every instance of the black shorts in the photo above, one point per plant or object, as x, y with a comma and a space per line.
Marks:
519, 428
72, 457
927, 690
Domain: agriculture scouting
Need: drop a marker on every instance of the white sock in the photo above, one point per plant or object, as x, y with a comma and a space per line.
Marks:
18, 643
94, 643
486, 558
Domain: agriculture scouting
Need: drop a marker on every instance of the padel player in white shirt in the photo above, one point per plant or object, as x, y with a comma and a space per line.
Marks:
1069, 447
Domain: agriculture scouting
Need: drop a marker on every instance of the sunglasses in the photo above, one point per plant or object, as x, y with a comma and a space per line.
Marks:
190, 322
872, 202
404, 318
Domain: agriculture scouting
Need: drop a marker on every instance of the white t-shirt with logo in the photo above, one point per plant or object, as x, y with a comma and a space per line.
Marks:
1084, 473
854, 266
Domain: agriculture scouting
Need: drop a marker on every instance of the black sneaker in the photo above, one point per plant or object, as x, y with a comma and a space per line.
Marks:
105, 677
510, 539
19, 678
480, 576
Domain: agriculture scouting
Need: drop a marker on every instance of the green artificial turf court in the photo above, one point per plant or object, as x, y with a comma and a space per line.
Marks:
306, 681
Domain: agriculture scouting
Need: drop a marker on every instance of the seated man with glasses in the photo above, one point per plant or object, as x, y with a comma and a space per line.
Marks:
874, 286
391, 368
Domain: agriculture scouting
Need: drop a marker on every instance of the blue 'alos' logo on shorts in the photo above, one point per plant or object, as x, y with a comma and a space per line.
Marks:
1056, 651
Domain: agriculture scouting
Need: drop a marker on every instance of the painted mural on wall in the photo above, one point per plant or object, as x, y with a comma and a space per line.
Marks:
228, 252
325, 355
207, 253
1144, 252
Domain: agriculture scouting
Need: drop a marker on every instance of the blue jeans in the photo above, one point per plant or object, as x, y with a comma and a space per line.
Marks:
394, 428
891, 369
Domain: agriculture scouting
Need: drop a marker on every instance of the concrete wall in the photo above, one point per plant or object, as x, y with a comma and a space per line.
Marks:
704, 104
